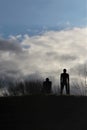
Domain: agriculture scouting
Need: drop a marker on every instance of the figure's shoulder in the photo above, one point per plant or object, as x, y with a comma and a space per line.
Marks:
50, 82
62, 74
67, 74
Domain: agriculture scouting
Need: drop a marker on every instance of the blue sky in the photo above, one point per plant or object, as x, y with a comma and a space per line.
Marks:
18, 16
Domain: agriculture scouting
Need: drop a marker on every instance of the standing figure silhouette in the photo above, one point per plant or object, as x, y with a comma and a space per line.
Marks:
47, 86
64, 81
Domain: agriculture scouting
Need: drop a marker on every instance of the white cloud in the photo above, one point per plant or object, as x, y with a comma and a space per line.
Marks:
46, 54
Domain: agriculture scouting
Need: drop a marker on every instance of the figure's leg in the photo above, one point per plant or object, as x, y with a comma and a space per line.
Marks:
67, 89
62, 87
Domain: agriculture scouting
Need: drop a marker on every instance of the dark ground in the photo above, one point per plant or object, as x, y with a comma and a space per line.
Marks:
42, 112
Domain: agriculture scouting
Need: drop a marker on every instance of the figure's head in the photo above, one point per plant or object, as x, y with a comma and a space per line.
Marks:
64, 70
47, 79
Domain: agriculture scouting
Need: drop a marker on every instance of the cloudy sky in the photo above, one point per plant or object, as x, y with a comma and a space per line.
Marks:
41, 37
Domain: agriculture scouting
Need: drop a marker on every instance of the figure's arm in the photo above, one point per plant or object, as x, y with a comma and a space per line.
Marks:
68, 79
60, 79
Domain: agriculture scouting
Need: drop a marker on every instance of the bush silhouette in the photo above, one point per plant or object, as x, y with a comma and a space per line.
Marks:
25, 88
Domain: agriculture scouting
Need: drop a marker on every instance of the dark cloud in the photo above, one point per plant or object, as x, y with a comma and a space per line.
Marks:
68, 57
61, 57
7, 45
9, 69
79, 69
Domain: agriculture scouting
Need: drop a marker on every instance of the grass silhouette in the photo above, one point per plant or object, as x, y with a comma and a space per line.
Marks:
35, 87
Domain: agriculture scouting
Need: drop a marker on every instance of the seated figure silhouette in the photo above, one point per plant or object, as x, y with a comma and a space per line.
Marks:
47, 86
64, 81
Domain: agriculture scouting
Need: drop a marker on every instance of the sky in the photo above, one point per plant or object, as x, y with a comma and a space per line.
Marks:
28, 16
38, 38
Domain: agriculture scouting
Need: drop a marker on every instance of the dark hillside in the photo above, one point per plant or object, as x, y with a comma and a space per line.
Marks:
43, 112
